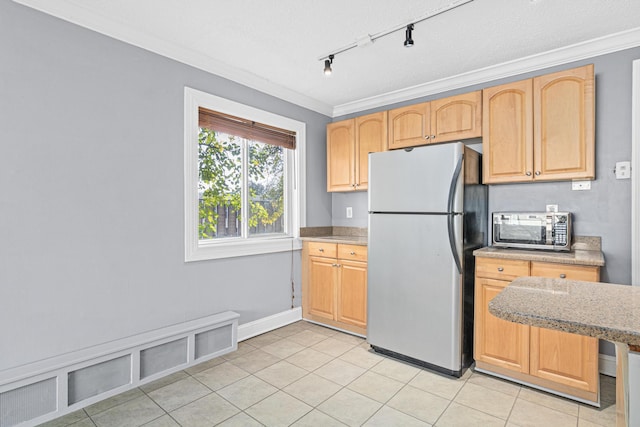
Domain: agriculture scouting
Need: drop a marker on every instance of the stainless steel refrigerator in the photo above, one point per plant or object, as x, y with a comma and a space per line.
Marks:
427, 213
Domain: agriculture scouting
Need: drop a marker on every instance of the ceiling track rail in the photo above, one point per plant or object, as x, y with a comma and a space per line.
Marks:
374, 37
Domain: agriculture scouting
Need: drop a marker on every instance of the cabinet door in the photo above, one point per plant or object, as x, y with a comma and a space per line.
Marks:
409, 126
352, 293
561, 357
565, 358
340, 156
322, 287
507, 132
456, 117
371, 137
564, 125
496, 341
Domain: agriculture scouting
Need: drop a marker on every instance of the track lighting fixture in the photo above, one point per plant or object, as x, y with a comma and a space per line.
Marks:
408, 41
368, 39
327, 65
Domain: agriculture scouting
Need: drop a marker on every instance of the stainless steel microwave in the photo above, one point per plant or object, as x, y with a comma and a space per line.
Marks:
532, 230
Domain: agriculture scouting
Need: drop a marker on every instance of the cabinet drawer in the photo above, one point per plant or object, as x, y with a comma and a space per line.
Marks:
501, 269
564, 271
323, 249
353, 252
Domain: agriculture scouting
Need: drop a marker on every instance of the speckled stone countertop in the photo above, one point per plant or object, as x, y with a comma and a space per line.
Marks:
601, 310
584, 251
348, 235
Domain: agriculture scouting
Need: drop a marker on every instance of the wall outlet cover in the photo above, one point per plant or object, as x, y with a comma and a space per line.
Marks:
581, 185
349, 212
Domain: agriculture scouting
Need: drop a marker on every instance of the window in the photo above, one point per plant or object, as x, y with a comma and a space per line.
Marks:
243, 179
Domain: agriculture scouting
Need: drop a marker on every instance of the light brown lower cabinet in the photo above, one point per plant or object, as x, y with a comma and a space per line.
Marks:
558, 361
334, 285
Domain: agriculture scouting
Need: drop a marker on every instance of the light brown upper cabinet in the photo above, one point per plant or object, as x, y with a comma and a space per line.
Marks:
410, 126
349, 143
540, 129
456, 117
447, 119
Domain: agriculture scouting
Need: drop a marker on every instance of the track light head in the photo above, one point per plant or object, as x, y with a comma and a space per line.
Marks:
408, 41
327, 65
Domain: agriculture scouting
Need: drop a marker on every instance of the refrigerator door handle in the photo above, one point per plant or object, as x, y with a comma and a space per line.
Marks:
451, 214
454, 182
452, 241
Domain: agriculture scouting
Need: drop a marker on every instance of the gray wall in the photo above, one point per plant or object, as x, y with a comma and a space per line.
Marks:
91, 194
603, 211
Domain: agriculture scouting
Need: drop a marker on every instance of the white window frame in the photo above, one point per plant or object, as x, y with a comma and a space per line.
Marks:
197, 250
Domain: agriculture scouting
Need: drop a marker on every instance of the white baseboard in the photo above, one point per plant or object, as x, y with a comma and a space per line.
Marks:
266, 324
607, 365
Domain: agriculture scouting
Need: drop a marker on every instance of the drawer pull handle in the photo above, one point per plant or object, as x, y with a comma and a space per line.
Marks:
352, 252
563, 276
320, 250
500, 269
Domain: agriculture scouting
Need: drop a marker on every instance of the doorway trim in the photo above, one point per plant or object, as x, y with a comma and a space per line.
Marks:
635, 175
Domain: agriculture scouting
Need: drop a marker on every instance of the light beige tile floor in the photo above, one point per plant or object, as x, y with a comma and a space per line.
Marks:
307, 375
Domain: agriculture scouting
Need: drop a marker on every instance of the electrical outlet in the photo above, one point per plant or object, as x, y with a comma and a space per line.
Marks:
581, 185
349, 212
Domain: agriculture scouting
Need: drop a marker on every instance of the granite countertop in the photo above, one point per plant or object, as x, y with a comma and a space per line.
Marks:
584, 251
346, 235
602, 310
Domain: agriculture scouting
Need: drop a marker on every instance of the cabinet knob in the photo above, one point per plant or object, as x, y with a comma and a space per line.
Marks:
433, 137
426, 137
320, 250
528, 173
537, 173
352, 252
500, 269
563, 276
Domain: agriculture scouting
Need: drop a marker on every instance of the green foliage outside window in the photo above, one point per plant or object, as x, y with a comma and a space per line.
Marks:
220, 180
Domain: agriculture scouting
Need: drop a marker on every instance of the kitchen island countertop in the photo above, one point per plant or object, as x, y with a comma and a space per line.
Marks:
602, 310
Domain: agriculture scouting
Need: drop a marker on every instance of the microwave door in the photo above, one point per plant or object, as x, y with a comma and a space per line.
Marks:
522, 230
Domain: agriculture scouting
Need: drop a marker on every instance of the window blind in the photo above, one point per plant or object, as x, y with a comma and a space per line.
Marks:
244, 128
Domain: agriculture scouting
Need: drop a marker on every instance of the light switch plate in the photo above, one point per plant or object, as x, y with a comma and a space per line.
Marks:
349, 212
623, 170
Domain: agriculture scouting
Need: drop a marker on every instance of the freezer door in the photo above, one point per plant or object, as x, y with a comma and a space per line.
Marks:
414, 288
419, 180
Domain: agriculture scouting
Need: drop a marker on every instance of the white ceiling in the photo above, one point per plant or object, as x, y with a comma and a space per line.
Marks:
276, 46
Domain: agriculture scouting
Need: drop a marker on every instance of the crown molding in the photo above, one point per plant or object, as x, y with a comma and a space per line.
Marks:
84, 18
588, 49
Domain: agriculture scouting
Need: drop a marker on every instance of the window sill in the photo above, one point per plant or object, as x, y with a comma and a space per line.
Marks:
239, 248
